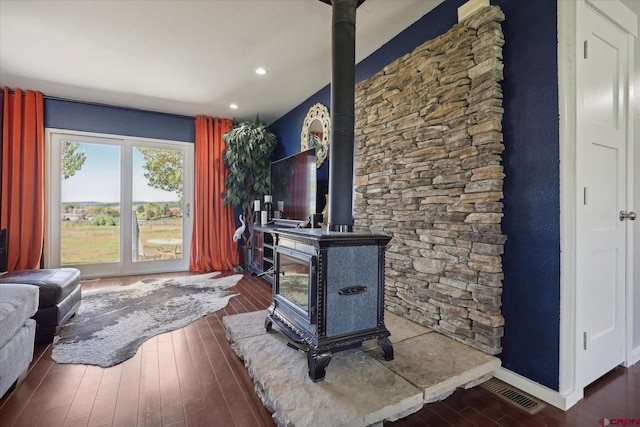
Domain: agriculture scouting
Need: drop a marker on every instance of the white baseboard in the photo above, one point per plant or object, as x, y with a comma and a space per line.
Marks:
635, 356
552, 397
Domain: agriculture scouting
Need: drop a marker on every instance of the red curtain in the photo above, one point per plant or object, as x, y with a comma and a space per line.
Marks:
212, 245
22, 199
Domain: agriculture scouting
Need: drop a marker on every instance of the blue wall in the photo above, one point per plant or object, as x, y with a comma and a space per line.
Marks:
97, 118
288, 128
531, 298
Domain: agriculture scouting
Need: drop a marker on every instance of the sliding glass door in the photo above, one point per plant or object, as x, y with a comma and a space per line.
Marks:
118, 205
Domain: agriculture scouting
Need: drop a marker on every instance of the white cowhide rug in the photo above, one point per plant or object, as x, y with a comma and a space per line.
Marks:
112, 323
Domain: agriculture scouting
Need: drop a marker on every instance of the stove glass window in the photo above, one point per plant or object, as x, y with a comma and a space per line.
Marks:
293, 281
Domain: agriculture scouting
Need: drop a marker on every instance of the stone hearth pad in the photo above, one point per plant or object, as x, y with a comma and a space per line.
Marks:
360, 388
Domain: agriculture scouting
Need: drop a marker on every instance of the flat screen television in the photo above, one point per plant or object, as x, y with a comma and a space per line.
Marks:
295, 185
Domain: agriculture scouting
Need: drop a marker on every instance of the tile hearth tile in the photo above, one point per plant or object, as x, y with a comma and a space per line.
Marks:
438, 364
401, 329
247, 325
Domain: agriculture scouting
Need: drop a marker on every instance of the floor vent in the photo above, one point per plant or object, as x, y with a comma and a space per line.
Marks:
512, 395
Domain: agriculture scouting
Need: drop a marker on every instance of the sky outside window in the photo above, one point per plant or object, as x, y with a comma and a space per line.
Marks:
99, 178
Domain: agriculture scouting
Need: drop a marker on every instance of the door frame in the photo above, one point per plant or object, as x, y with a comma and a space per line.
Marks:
568, 393
568, 49
125, 266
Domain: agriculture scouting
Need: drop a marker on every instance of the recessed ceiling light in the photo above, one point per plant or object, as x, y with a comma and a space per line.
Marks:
233, 106
261, 71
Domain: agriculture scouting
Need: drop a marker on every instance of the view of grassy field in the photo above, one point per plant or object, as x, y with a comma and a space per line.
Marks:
92, 181
83, 243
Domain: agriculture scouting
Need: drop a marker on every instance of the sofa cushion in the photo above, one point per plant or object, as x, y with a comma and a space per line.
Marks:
55, 283
16, 355
17, 304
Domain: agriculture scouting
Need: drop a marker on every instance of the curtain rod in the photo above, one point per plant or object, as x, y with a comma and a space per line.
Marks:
100, 104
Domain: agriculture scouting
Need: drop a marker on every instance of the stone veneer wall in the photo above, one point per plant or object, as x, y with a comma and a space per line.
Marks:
428, 173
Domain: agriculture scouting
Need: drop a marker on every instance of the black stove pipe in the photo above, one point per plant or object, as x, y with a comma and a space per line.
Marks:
341, 152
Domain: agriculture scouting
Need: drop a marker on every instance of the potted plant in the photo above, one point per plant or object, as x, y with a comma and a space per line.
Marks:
249, 146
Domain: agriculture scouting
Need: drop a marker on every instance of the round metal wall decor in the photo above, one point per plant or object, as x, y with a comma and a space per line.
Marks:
315, 132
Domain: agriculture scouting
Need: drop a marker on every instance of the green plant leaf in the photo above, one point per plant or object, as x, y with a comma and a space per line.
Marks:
249, 146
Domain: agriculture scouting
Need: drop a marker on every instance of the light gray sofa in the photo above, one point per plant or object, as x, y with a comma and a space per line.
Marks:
18, 303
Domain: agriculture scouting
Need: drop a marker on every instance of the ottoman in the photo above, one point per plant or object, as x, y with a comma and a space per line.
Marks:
60, 297
17, 331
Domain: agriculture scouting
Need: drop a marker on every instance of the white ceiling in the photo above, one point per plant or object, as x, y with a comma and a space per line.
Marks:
185, 57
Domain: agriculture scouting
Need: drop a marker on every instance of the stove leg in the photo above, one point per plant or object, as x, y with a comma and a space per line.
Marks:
317, 364
387, 348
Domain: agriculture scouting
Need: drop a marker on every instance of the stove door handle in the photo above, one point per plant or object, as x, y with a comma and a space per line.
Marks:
352, 290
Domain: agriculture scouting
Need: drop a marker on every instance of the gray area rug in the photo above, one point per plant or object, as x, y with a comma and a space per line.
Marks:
112, 323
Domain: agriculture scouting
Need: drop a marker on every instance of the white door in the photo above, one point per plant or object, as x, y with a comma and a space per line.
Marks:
118, 205
602, 137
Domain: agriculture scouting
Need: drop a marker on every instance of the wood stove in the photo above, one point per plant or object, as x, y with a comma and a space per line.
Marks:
328, 294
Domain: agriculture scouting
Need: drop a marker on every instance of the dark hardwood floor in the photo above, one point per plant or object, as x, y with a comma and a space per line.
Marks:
614, 396
192, 377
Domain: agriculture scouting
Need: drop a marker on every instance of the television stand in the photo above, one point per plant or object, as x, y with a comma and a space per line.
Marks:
262, 250
262, 261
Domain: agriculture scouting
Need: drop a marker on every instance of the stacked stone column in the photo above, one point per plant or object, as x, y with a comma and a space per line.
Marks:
428, 173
